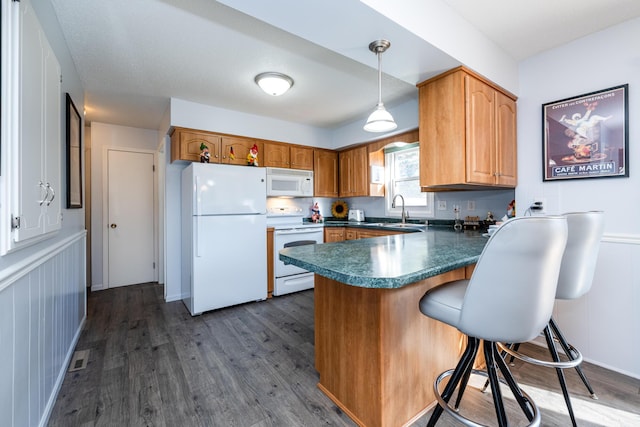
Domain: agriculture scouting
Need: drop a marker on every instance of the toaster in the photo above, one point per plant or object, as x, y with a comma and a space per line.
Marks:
356, 215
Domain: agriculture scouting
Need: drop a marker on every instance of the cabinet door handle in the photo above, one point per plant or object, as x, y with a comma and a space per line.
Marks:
53, 193
46, 193
114, 226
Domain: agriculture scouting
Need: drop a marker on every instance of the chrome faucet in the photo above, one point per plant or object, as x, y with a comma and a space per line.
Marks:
393, 205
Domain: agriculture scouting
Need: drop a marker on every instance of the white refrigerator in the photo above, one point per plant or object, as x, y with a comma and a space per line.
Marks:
224, 243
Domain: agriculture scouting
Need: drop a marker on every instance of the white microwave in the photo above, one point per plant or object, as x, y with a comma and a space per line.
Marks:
289, 182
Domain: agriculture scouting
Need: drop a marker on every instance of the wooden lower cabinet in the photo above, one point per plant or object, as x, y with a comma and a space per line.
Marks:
377, 354
339, 234
366, 233
334, 234
351, 234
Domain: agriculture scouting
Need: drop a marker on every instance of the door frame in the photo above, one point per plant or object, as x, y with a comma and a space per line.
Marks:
105, 209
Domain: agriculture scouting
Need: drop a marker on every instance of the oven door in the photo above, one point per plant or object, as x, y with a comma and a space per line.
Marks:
287, 238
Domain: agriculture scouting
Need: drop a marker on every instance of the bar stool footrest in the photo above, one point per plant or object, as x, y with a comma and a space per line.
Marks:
575, 358
535, 422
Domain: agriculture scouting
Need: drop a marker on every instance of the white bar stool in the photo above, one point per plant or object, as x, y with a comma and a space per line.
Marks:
493, 307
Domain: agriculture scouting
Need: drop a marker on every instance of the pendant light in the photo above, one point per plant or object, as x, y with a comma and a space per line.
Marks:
380, 120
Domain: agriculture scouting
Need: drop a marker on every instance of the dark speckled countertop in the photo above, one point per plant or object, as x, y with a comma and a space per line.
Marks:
390, 261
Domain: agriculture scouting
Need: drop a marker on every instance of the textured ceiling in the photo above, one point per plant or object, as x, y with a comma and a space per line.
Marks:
133, 56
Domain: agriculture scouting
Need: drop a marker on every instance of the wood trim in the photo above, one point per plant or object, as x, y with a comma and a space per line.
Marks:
471, 73
409, 136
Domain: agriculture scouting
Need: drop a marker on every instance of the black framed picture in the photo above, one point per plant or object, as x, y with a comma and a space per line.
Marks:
74, 156
587, 136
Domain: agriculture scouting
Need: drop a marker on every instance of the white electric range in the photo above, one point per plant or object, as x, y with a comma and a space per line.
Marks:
290, 230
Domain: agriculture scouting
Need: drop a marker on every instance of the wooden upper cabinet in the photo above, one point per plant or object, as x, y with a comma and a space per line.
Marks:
506, 136
281, 155
325, 173
467, 133
301, 157
354, 172
240, 147
276, 155
185, 145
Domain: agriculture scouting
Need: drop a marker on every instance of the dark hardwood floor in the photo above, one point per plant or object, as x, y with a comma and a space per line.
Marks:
152, 364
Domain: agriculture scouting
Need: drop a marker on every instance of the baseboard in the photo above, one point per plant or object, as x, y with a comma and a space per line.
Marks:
60, 379
172, 298
98, 287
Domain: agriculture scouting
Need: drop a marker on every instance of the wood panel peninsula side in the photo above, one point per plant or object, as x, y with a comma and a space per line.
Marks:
376, 354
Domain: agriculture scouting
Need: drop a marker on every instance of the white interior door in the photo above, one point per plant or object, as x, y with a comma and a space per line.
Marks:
130, 221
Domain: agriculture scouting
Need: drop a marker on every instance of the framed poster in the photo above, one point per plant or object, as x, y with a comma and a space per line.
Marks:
587, 136
74, 156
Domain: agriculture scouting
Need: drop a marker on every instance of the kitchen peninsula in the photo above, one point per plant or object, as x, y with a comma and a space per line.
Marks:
376, 354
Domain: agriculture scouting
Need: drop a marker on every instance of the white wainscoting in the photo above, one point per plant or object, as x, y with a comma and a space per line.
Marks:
605, 323
42, 310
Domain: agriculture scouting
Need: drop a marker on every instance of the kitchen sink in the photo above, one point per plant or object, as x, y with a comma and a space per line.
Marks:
421, 227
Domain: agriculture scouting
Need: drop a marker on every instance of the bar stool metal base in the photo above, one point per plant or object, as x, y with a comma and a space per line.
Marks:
574, 360
454, 412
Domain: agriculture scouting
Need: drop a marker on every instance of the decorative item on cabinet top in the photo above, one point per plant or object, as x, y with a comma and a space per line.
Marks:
187, 144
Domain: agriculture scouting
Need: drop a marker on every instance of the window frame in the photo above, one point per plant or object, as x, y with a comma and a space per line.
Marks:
413, 211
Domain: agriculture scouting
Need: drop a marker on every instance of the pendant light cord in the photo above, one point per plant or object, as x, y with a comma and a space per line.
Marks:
379, 78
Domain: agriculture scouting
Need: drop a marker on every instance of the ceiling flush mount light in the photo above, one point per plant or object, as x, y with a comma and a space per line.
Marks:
380, 120
274, 83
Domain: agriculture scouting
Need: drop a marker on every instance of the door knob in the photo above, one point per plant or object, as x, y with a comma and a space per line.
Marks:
113, 225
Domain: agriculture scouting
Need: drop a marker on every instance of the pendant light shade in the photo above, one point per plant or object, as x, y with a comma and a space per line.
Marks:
274, 84
380, 120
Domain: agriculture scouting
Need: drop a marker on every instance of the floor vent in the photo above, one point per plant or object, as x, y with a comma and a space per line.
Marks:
79, 360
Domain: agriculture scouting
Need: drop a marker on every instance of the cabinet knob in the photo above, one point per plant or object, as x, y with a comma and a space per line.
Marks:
216, 156
113, 226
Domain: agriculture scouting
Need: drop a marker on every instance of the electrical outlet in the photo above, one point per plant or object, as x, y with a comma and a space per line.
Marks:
537, 206
471, 205
442, 205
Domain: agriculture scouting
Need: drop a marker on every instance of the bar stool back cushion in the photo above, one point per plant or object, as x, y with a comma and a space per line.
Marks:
581, 254
511, 293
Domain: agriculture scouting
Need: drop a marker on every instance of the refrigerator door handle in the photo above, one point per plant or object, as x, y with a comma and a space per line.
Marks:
196, 236
197, 195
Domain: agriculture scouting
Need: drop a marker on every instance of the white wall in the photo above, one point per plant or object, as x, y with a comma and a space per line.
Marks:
437, 23
604, 324
105, 136
206, 117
